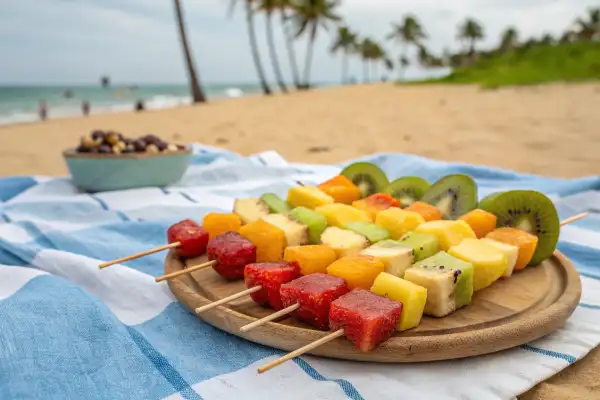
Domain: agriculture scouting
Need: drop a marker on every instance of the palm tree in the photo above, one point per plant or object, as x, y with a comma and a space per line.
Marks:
404, 62
253, 45
590, 27
284, 7
346, 43
424, 56
309, 15
509, 40
268, 7
365, 48
408, 32
197, 93
471, 31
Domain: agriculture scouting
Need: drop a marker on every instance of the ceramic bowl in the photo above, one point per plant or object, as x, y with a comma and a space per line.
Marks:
95, 172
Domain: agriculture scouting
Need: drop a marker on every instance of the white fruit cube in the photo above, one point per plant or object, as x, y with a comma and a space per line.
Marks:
395, 259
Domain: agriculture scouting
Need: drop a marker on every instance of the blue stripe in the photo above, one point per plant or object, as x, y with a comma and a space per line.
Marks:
165, 191
105, 207
164, 366
588, 275
591, 306
187, 196
5, 217
554, 354
346, 386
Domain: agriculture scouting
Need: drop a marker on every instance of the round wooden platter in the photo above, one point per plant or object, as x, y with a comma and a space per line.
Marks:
532, 303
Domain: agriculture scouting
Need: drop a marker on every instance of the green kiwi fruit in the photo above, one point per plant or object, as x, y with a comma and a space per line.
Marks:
369, 178
532, 212
453, 195
407, 190
487, 200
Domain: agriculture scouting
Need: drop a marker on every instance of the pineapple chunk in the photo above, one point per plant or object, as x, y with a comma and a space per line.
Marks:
398, 222
296, 233
412, 296
308, 196
395, 259
449, 233
250, 210
340, 214
489, 262
345, 243
511, 252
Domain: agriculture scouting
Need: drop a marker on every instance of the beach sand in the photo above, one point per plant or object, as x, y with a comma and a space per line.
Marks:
550, 130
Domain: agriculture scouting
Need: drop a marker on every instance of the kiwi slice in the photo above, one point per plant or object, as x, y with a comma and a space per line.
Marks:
407, 190
532, 212
453, 195
487, 200
369, 178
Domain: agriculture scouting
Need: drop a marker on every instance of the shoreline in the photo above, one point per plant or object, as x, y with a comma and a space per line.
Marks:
548, 130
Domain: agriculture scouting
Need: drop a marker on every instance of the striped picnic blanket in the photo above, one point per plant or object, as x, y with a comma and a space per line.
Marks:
71, 331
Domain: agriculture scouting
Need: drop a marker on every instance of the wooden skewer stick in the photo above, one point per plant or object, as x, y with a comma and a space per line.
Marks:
269, 318
228, 299
141, 254
185, 271
300, 183
302, 350
573, 218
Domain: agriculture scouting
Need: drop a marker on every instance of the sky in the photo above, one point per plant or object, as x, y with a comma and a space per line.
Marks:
136, 41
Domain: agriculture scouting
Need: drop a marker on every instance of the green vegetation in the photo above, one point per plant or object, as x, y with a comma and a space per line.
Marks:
542, 63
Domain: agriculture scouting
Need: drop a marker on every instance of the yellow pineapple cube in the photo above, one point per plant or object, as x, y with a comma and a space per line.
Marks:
312, 258
489, 263
398, 222
339, 215
412, 296
449, 233
308, 196
344, 242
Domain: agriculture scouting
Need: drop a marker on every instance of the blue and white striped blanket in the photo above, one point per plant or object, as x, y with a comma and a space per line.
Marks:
71, 331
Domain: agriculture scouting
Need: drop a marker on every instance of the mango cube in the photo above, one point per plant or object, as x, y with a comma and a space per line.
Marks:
375, 203
312, 258
489, 263
308, 196
412, 296
269, 240
217, 223
344, 242
358, 271
448, 280
340, 214
482, 222
511, 252
525, 241
341, 189
396, 259
449, 233
427, 211
398, 222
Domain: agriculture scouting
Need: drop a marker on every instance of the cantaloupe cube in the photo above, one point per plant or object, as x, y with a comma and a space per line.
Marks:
525, 241
341, 189
482, 222
217, 223
489, 263
308, 196
449, 233
398, 222
412, 296
427, 211
269, 240
312, 258
358, 271
340, 214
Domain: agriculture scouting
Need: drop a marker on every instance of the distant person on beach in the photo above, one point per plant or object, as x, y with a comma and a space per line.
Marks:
85, 107
139, 105
43, 110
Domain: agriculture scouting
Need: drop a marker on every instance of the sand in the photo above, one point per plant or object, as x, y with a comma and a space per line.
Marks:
551, 130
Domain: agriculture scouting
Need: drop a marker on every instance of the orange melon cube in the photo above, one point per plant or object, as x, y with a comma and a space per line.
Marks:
482, 222
341, 189
269, 240
218, 223
427, 211
525, 241
375, 203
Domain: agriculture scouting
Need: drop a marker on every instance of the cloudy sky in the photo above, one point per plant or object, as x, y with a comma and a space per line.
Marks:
135, 41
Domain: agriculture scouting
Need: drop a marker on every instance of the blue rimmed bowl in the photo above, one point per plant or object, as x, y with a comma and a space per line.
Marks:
93, 172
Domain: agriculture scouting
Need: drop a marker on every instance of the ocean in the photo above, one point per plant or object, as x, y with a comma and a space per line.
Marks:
19, 104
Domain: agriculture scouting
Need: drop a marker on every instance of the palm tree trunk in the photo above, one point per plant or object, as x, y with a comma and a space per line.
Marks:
309, 54
344, 67
273, 54
376, 70
254, 48
197, 93
365, 71
289, 45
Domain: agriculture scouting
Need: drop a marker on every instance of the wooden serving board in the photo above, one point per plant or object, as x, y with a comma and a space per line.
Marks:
511, 312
